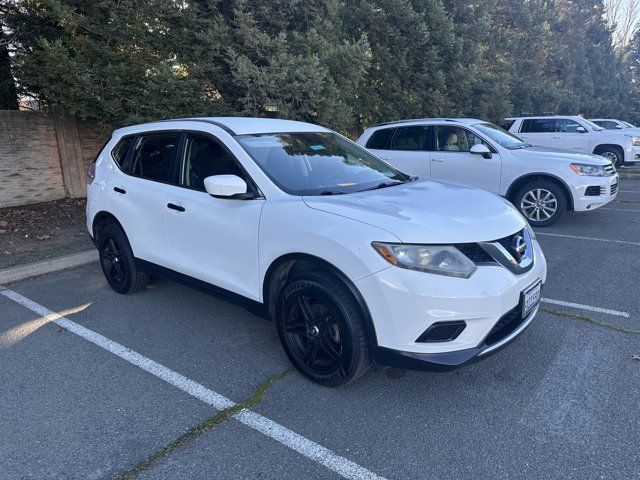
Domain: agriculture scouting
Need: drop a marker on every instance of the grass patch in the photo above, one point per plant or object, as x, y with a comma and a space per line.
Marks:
587, 318
197, 430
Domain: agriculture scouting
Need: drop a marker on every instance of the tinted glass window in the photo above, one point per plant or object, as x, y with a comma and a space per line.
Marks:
608, 124
380, 138
497, 134
565, 125
119, 152
318, 163
204, 157
507, 124
410, 138
153, 156
538, 125
455, 139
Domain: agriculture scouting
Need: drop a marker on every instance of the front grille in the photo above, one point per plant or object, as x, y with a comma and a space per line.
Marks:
592, 191
506, 241
507, 324
475, 253
609, 170
442, 332
614, 188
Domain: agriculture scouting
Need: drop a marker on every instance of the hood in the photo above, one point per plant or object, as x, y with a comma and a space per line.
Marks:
543, 153
426, 211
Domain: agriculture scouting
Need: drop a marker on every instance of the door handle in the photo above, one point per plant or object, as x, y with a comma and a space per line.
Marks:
177, 208
437, 160
119, 190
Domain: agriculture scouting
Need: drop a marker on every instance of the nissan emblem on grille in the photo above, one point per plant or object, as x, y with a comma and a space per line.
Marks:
518, 247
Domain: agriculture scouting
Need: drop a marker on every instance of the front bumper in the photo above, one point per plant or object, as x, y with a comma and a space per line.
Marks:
632, 155
405, 303
607, 188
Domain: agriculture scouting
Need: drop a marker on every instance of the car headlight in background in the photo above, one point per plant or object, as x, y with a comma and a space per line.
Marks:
590, 170
438, 259
635, 141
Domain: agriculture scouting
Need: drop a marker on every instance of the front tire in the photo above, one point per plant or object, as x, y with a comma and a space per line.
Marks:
614, 154
117, 261
321, 328
541, 202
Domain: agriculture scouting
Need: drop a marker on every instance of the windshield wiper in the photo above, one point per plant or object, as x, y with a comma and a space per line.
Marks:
385, 185
331, 192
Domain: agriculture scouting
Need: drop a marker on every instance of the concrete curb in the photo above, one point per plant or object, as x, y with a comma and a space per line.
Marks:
22, 272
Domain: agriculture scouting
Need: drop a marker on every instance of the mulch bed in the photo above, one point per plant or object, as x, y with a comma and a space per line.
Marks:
35, 232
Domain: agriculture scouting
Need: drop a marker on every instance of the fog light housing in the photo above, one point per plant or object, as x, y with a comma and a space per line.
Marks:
442, 332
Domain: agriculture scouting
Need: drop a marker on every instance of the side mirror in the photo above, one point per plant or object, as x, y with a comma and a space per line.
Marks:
481, 149
581, 129
225, 186
619, 127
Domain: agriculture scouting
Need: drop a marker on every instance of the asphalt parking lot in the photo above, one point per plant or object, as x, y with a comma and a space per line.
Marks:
152, 385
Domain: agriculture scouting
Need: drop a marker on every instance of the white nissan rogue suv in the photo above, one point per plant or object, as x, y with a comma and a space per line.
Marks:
542, 183
354, 260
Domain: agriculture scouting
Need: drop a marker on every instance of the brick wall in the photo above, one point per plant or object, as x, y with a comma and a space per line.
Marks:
32, 166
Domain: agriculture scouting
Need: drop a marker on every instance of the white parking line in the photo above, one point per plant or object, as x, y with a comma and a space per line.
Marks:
304, 446
580, 306
628, 191
623, 242
619, 209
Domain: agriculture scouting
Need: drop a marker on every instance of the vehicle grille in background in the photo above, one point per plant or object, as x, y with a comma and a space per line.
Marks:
614, 188
609, 170
593, 191
442, 332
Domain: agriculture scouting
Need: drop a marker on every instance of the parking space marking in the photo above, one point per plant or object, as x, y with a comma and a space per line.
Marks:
619, 209
629, 191
342, 466
595, 239
590, 308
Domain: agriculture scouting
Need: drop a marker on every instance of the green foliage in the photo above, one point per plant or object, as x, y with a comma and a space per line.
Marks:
345, 64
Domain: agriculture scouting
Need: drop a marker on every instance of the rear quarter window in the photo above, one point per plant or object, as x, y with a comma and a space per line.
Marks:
380, 139
119, 152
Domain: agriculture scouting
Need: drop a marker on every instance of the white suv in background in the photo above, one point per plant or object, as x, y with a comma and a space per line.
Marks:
577, 134
541, 183
615, 124
353, 260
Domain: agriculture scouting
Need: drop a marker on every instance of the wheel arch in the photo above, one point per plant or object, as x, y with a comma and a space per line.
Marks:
100, 219
282, 267
613, 146
520, 182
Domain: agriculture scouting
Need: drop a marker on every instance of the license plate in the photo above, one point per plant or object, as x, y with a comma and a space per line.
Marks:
531, 298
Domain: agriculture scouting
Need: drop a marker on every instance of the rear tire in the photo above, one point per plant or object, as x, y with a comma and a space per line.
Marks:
321, 328
541, 202
615, 154
117, 261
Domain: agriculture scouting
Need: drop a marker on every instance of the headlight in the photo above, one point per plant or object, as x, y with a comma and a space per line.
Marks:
590, 170
635, 141
439, 259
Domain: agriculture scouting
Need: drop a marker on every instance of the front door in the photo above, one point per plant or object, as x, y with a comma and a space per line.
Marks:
212, 239
452, 161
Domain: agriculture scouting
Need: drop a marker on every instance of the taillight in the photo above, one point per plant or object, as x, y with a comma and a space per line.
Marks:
91, 173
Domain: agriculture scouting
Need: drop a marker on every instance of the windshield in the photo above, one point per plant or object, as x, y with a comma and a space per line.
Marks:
591, 125
628, 125
501, 136
318, 163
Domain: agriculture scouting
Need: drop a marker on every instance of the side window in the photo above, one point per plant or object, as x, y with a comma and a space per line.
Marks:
380, 138
153, 156
410, 138
119, 152
507, 124
203, 157
455, 139
565, 125
538, 125
608, 124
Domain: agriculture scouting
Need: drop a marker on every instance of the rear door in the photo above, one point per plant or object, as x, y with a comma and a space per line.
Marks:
212, 239
407, 149
538, 131
138, 193
452, 161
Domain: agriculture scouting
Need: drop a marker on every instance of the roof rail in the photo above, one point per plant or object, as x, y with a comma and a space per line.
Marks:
393, 122
204, 120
